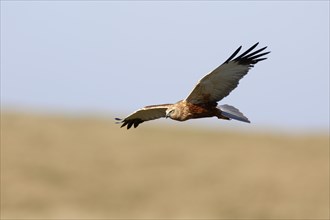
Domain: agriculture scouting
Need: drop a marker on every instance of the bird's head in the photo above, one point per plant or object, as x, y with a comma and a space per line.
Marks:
169, 111
172, 113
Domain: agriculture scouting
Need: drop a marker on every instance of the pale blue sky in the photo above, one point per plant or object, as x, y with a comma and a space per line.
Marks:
117, 56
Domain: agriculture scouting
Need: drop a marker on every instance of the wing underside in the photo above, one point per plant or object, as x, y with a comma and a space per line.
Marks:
147, 113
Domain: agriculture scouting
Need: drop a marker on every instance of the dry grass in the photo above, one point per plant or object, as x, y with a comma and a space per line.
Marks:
57, 167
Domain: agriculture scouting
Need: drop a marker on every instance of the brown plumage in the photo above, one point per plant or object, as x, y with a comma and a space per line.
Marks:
203, 100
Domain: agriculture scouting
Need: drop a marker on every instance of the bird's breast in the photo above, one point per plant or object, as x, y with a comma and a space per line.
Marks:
189, 111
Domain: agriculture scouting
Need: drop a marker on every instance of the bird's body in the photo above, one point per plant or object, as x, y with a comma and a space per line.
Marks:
203, 100
188, 110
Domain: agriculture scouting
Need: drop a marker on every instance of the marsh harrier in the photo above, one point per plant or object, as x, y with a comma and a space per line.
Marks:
203, 100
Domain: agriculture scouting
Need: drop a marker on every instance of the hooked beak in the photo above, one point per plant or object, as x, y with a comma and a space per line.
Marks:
167, 115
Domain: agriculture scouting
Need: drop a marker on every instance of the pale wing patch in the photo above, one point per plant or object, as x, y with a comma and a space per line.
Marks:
218, 84
145, 114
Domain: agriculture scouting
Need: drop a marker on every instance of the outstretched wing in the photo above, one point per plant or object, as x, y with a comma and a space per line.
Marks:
144, 114
221, 81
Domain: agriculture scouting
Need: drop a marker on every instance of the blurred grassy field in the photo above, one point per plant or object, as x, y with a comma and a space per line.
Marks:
61, 167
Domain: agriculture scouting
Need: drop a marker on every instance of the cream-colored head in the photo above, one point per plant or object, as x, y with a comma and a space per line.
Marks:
173, 112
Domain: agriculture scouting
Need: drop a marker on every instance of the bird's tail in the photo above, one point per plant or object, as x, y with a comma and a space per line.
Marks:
231, 112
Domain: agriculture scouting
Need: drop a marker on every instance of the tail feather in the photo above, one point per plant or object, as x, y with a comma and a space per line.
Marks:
232, 113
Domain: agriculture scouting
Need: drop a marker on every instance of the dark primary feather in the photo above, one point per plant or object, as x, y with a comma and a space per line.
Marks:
248, 58
233, 55
129, 123
248, 50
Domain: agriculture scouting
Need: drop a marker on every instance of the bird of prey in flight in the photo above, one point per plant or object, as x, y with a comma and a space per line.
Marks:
203, 100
